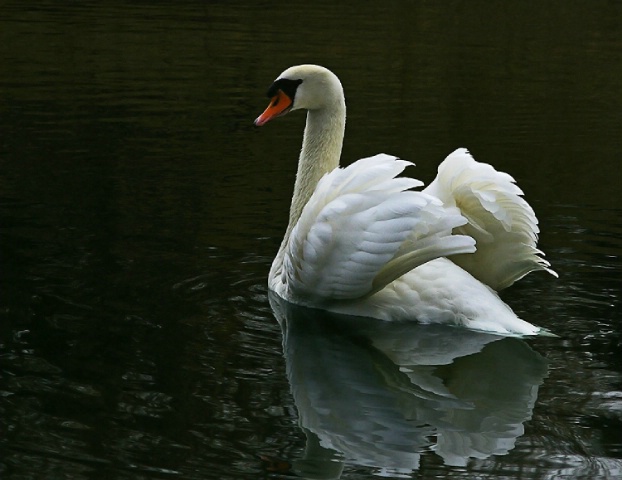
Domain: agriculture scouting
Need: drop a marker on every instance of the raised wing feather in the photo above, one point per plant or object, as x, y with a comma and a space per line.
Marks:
503, 224
362, 228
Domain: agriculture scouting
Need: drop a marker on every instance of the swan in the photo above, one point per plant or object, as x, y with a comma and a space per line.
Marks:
361, 241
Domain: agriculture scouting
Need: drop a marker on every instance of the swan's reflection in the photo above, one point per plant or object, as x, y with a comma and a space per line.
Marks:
378, 394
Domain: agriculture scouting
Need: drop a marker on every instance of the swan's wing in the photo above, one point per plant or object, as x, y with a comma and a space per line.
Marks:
503, 224
362, 228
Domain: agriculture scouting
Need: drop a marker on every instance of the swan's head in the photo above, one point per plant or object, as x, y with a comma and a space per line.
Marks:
309, 87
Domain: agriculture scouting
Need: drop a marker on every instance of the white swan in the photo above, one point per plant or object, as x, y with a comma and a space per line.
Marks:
360, 241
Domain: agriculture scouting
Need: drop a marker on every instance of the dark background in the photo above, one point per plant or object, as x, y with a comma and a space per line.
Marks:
140, 211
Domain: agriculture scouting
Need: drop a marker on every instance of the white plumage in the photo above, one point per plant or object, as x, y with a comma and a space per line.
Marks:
361, 241
361, 229
503, 224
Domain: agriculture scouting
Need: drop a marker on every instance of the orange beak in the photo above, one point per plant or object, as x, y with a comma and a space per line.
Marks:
280, 104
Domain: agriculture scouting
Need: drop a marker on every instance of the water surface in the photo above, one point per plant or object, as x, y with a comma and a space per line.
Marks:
140, 211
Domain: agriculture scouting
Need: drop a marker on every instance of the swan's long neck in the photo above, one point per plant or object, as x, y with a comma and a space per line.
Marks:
321, 150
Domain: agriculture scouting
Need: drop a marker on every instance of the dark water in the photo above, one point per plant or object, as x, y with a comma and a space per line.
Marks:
140, 211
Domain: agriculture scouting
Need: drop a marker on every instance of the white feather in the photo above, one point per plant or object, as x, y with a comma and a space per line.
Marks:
360, 230
502, 223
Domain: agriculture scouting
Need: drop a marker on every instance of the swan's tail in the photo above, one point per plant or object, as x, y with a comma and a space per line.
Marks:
502, 223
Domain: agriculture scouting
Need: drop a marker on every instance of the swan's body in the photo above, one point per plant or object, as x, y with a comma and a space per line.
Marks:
360, 241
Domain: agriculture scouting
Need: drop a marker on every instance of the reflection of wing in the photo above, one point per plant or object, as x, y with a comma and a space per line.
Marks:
377, 392
501, 402
340, 394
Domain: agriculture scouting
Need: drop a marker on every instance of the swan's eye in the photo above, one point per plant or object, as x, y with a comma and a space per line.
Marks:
286, 86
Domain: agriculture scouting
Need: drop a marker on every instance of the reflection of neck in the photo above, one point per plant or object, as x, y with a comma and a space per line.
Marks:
318, 462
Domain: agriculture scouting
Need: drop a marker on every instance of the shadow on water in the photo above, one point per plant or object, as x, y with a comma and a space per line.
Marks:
380, 394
